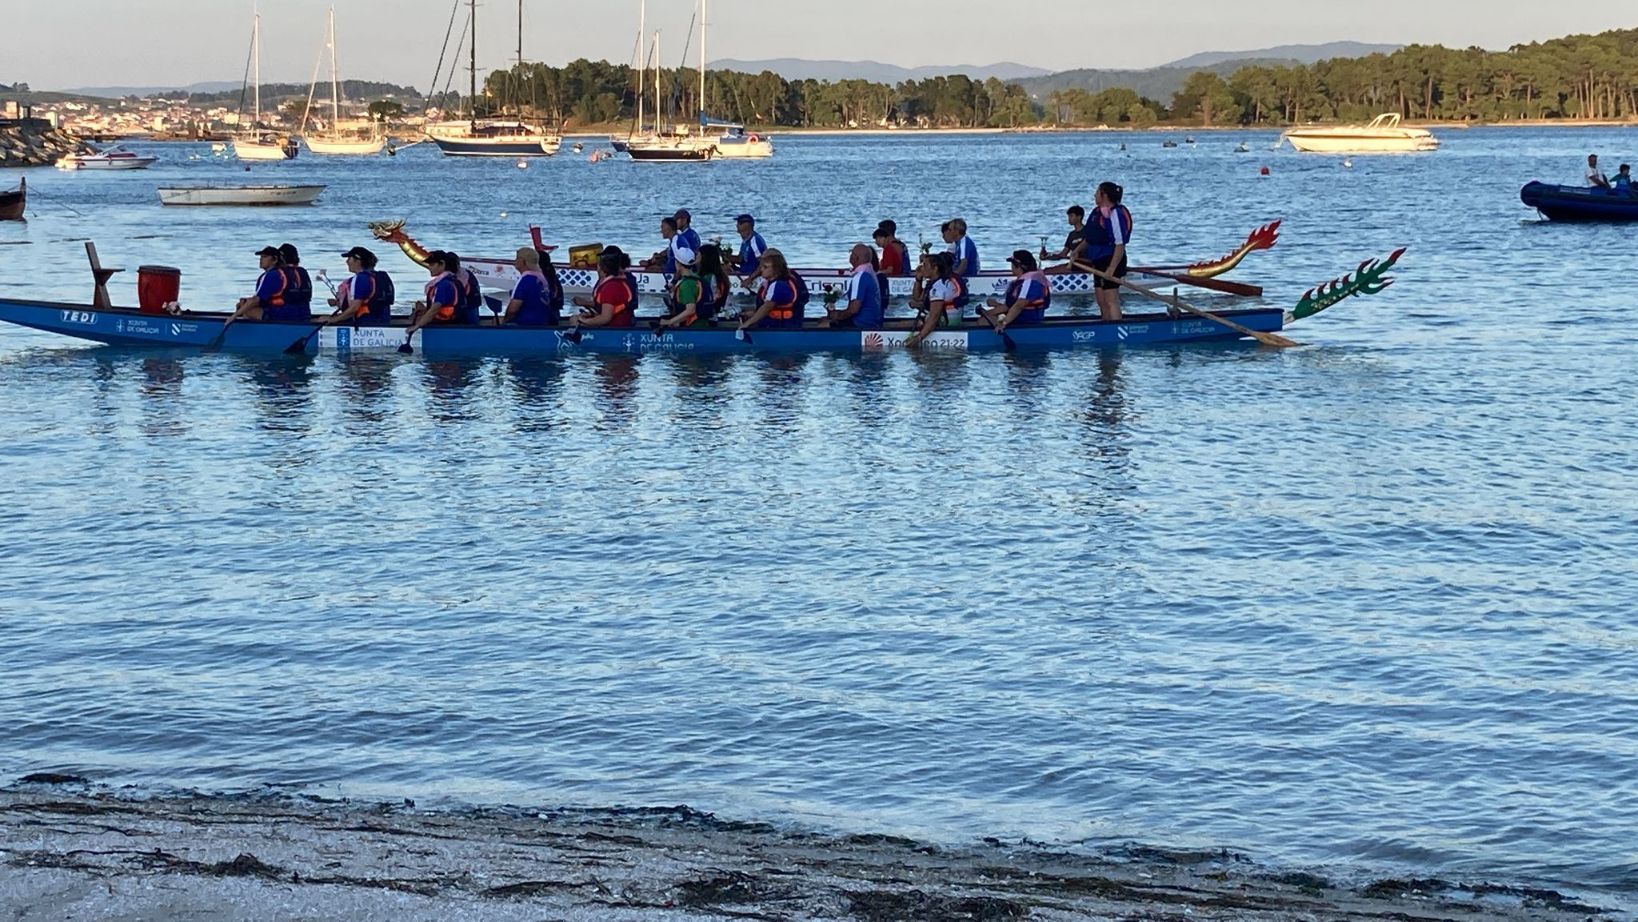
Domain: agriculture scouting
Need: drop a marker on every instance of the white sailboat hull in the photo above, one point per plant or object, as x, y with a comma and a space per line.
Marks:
760, 149
361, 147
258, 150
82, 162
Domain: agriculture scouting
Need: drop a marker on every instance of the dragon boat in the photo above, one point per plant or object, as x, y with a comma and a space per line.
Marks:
501, 274
211, 331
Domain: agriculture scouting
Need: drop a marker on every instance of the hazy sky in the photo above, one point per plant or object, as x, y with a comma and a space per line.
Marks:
177, 42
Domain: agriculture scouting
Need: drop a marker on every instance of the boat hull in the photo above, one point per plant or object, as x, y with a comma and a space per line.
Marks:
245, 196
12, 203
125, 327
745, 150
358, 148
498, 147
74, 162
1579, 204
256, 150
671, 152
1337, 143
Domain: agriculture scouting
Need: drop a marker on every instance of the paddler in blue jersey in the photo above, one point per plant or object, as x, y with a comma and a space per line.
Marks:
1027, 298
268, 301
751, 248
962, 249
864, 294
298, 289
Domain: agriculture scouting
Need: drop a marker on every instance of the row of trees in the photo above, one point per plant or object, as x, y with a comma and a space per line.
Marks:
1589, 76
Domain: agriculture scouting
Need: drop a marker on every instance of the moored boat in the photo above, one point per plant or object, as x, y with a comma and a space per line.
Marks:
114, 158
1384, 135
256, 142
1579, 203
491, 137
334, 142
239, 195
13, 201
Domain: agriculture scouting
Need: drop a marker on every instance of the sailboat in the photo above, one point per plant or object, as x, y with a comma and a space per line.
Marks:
491, 137
662, 147
639, 133
333, 141
255, 143
734, 142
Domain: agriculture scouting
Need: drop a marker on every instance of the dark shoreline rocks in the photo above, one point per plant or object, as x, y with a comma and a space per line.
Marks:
34, 142
69, 850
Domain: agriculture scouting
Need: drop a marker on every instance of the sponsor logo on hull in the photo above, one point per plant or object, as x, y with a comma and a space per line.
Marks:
893, 340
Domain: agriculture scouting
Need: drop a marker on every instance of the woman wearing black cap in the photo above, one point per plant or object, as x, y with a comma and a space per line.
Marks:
366, 297
1027, 298
298, 287
268, 301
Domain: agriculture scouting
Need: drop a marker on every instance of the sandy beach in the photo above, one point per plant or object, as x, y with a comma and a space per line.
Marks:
73, 851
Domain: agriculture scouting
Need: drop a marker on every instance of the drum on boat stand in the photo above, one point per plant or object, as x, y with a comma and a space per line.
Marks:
157, 286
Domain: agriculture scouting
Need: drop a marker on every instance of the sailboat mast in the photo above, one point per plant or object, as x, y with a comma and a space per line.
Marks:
657, 66
472, 64
335, 85
702, 67
520, 35
256, 65
642, 62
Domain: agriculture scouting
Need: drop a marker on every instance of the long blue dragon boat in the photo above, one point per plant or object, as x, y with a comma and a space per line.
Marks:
119, 326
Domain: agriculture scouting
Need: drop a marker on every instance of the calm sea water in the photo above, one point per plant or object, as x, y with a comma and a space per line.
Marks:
1368, 603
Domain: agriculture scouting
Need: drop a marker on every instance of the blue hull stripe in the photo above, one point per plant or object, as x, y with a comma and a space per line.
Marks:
126, 327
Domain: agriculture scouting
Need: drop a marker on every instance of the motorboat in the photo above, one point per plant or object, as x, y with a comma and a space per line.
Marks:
1580, 203
114, 158
1384, 135
12, 201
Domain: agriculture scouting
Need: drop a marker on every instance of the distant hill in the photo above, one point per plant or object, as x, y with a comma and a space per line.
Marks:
875, 71
1288, 54
1159, 83
120, 92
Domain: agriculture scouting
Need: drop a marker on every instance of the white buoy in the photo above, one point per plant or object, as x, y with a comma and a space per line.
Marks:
1348, 163
503, 214
523, 164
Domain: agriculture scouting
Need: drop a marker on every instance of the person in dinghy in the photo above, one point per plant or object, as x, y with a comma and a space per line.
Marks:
1028, 296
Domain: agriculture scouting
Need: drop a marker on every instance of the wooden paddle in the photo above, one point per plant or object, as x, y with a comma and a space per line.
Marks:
1006, 340
1210, 284
1267, 339
216, 343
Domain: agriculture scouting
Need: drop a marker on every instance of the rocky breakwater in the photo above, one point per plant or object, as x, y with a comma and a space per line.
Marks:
33, 142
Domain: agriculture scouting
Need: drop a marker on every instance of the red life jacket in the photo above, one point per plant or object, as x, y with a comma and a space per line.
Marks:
619, 299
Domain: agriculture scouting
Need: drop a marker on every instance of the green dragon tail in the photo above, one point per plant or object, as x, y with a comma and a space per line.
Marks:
1370, 278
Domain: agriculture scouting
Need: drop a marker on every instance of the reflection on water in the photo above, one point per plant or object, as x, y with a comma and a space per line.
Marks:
1279, 601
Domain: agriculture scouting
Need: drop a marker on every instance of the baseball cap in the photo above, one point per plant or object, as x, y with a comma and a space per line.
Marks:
744, 219
686, 256
289, 252
269, 251
358, 252
1022, 258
